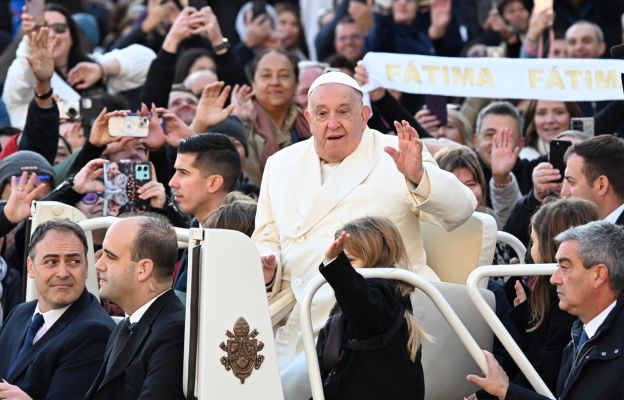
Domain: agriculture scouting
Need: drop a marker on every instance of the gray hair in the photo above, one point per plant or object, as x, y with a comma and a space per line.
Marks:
599, 242
572, 133
597, 29
500, 108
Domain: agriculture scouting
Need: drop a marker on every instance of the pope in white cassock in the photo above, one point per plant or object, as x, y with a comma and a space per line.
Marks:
347, 171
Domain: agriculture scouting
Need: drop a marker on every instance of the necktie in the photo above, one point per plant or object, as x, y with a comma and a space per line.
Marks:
582, 339
35, 324
125, 331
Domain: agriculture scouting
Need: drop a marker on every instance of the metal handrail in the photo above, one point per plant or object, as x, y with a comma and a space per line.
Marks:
418, 282
182, 234
496, 325
514, 243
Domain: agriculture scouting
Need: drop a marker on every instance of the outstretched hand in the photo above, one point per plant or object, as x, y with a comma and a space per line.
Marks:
41, 59
211, 109
337, 246
505, 154
23, 192
408, 158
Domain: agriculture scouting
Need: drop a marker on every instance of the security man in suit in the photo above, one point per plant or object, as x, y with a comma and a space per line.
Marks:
52, 347
143, 358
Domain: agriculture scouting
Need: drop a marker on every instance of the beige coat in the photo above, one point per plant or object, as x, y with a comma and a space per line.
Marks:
297, 217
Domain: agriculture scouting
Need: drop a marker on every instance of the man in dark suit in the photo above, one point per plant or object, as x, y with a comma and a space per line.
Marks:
594, 171
590, 284
52, 348
144, 355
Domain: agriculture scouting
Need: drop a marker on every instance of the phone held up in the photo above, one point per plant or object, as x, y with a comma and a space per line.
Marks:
556, 155
131, 125
122, 180
585, 125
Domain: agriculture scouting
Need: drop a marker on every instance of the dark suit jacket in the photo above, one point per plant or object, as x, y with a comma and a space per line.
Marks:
64, 362
150, 365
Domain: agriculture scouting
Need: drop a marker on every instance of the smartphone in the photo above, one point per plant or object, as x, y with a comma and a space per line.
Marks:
122, 180
585, 125
90, 108
198, 4
36, 8
437, 106
541, 5
132, 126
556, 155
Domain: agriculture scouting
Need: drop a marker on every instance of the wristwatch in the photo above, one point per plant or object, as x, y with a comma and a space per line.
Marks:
221, 48
45, 95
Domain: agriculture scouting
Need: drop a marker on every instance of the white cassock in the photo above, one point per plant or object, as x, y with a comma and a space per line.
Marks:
298, 216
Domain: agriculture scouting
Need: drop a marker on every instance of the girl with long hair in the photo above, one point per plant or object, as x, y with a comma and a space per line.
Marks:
370, 346
544, 328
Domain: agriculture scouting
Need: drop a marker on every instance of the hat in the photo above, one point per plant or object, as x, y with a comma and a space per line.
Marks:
334, 77
233, 127
25, 160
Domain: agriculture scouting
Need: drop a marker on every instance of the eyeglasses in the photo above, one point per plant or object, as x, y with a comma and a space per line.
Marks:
352, 37
91, 198
58, 28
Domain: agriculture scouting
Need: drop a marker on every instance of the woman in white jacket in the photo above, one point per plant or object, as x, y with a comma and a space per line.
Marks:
75, 72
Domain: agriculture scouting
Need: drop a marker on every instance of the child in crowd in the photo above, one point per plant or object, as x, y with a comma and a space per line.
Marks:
370, 346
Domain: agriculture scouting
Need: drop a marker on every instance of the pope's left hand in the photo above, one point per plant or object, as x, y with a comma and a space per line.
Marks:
408, 158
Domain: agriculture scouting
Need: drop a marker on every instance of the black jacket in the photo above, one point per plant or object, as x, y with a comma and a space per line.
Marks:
544, 346
150, 364
597, 372
63, 363
369, 308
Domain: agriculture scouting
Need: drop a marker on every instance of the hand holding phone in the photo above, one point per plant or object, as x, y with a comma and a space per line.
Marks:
437, 107
122, 181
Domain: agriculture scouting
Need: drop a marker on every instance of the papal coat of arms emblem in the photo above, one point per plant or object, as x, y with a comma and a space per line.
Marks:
242, 350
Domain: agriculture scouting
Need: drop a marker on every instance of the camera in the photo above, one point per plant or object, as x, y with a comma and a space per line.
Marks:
131, 125
69, 110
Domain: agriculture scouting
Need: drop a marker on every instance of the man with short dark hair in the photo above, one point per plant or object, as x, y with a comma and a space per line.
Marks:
207, 168
590, 284
595, 172
52, 347
349, 40
144, 356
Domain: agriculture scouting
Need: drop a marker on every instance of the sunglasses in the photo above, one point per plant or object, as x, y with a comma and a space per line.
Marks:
58, 28
91, 198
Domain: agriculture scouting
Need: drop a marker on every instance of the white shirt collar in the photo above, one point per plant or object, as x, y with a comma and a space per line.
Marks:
138, 314
592, 326
613, 217
49, 319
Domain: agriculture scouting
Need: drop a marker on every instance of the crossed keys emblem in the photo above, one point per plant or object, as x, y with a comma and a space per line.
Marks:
242, 349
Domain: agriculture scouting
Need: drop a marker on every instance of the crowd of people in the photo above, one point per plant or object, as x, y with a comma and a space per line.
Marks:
251, 116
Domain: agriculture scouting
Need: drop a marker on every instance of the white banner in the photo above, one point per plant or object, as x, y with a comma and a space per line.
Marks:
499, 78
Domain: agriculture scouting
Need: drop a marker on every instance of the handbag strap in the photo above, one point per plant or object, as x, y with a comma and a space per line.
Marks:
379, 341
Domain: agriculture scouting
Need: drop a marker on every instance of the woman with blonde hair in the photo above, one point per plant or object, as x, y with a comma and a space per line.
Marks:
370, 346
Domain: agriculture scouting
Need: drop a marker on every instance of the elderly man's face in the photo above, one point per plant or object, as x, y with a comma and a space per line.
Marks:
490, 126
59, 268
183, 105
573, 282
337, 120
582, 42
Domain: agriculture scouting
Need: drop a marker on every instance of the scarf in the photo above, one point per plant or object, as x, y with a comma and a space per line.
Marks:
263, 126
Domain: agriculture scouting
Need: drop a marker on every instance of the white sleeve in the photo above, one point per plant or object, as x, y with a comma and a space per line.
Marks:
19, 86
134, 62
